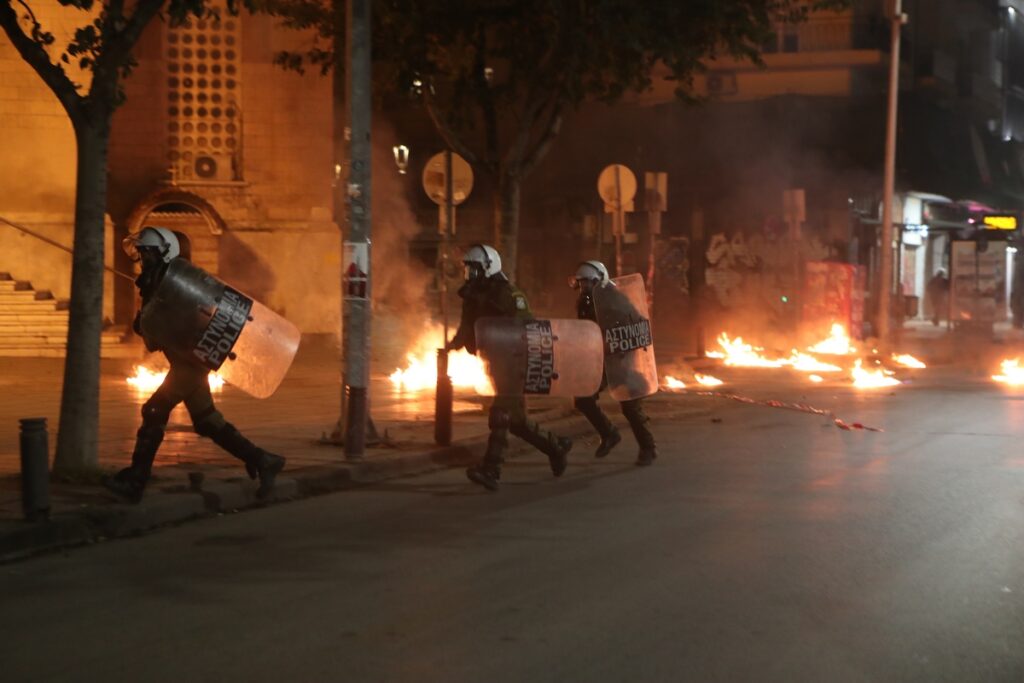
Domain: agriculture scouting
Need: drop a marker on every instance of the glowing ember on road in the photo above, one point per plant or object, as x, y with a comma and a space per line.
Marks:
673, 383
817, 379
707, 380
837, 344
872, 379
1012, 373
466, 370
147, 381
907, 361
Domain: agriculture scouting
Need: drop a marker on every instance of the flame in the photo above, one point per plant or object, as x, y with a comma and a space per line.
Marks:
806, 363
837, 344
1013, 373
817, 379
420, 374
147, 381
872, 379
738, 353
908, 361
707, 380
673, 383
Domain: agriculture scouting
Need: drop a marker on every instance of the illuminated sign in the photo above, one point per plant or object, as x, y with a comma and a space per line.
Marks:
1000, 222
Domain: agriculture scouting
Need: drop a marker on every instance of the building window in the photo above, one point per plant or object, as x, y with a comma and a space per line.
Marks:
203, 61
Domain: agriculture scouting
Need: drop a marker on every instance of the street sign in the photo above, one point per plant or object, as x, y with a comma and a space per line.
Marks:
435, 179
1000, 221
617, 187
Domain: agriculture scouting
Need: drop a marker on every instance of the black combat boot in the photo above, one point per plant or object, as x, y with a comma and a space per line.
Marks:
609, 440
258, 462
130, 483
488, 471
555, 447
634, 412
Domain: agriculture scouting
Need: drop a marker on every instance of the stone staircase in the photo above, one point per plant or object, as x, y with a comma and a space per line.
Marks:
34, 323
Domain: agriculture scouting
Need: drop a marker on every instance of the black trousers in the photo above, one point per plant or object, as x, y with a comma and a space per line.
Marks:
508, 414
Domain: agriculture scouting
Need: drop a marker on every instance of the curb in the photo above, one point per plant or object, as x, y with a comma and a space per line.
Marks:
177, 503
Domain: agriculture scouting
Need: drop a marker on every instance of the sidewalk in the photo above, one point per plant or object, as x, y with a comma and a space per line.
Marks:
291, 423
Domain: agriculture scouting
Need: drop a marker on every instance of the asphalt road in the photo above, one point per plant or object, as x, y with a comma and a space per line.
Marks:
764, 545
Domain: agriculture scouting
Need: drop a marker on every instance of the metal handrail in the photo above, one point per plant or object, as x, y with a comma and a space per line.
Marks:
54, 243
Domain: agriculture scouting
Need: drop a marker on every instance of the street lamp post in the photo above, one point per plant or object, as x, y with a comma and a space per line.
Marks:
885, 264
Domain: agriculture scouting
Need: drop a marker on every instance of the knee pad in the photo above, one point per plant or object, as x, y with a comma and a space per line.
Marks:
499, 419
156, 411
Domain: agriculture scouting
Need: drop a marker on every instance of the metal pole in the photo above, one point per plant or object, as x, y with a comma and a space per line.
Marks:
654, 229
443, 392
356, 308
885, 268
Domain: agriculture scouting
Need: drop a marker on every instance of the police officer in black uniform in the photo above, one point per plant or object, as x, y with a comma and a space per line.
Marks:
487, 292
589, 276
186, 381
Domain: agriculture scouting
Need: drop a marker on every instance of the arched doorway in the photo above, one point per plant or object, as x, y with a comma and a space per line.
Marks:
188, 213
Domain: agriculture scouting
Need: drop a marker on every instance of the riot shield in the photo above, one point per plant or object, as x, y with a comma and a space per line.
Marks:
549, 357
621, 306
197, 318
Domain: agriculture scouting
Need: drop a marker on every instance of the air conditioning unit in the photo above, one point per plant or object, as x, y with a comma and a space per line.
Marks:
211, 166
721, 83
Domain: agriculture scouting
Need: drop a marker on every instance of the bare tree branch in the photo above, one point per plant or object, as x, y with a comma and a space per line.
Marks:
450, 137
37, 57
548, 135
122, 41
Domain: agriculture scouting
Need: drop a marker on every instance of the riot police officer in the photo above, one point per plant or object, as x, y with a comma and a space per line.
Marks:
589, 276
487, 292
186, 381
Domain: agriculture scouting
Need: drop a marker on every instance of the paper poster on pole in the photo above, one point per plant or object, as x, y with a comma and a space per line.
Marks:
356, 273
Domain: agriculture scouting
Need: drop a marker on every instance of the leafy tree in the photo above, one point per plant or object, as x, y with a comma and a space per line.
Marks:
102, 47
498, 76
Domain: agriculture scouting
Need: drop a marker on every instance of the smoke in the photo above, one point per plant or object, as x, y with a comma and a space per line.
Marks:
401, 310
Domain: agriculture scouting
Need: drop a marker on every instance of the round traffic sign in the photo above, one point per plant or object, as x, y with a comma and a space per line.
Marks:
617, 186
435, 178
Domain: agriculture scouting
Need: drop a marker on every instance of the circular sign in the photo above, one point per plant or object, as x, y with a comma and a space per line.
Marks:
435, 180
617, 186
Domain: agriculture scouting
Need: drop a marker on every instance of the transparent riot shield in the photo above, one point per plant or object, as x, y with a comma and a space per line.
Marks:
197, 318
549, 357
621, 306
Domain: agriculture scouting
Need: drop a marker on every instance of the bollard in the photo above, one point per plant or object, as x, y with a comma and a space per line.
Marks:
443, 402
35, 469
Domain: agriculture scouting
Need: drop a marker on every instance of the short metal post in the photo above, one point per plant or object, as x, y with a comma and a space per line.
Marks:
35, 469
443, 401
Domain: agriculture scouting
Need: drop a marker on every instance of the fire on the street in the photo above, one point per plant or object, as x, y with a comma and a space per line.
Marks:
146, 380
907, 361
1012, 373
837, 344
872, 379
420, 373
707, 380
674, 384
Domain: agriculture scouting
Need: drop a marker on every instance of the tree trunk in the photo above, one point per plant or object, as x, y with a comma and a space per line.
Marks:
507, 221
79, 407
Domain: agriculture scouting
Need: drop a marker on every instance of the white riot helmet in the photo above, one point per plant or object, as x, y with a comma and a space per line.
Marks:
481, 261
161, 239
592, 270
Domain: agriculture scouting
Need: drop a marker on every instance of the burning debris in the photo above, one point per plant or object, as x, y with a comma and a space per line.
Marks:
146, 380
420, 374
907, 361
872, 379
673, 384
1012, 374
707, 380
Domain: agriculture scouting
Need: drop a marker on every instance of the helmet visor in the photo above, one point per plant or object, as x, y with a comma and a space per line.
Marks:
474, 270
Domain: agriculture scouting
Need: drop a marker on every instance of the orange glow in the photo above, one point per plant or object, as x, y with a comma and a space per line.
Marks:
146, 381
817, 379
420, 373
806, 363
707, 380
1012, 373
674, 384
738, 353
872, 379
907, 361
837, 344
